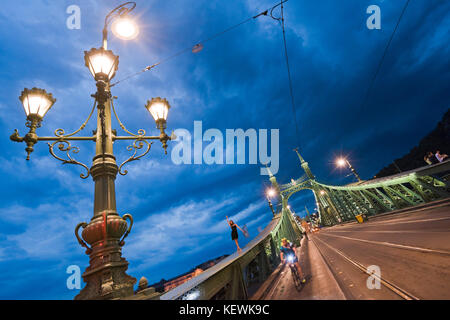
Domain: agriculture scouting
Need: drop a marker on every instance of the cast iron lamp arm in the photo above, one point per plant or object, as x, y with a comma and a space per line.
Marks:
32, 138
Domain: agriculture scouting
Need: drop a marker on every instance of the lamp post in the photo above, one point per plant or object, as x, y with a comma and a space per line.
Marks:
341, 162
103, 237
270, 193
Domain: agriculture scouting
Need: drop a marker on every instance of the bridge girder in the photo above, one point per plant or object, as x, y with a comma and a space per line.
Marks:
341, 203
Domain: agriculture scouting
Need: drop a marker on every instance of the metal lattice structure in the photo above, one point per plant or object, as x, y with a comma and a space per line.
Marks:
343, 203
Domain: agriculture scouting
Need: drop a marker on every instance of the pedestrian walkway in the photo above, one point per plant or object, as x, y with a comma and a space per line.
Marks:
321, 286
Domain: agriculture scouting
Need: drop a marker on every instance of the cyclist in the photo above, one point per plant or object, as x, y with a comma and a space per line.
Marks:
287, 249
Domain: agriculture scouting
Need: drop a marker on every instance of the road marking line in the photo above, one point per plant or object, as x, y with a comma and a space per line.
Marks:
395, 245
389, 222
388, 231
393, 287
403, 222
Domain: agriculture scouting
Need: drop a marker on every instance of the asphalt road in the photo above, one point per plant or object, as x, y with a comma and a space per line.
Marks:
411, 250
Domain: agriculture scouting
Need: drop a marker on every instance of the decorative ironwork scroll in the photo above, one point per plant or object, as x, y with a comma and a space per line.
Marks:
65, 146
137, 145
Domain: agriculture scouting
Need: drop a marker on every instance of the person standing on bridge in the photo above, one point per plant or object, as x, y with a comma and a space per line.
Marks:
441, 157
234, 233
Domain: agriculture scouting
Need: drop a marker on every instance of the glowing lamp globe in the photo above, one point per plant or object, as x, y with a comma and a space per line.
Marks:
36, 102
102, 63
125, 28
340, 162
159, 109
270, 193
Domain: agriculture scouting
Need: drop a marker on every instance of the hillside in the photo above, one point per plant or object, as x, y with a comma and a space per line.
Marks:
438, 139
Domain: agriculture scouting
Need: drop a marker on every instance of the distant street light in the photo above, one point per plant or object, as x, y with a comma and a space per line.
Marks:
341, 162
103, 237
270, 193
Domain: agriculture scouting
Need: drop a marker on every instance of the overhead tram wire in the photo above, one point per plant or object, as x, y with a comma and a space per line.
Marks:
383, 56
183, 51
263, 13
289, 75
191, 48
291, 91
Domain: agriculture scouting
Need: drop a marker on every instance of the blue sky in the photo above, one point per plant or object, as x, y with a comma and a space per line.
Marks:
238, 80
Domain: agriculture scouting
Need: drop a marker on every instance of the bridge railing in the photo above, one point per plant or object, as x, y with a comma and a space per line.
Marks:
232, 277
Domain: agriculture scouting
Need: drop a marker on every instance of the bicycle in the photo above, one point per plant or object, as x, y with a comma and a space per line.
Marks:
295, 276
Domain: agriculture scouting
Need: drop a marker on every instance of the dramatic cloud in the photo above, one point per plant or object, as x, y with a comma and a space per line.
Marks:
238, 80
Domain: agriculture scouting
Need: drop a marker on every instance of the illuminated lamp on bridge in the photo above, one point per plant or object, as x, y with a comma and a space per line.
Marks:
269, 194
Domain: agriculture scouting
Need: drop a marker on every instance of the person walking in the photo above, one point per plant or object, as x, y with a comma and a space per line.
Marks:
234, 233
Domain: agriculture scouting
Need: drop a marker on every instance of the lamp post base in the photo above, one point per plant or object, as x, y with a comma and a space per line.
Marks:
106, 276
113, 283
108, 280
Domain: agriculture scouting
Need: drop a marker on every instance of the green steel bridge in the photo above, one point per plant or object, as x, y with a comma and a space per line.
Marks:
233, 277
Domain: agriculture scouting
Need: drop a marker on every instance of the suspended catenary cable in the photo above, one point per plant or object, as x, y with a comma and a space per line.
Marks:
383, 56
288, 71
199, 46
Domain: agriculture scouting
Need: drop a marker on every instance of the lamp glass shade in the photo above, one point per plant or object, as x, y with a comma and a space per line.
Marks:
125, 28
36, 102
158, 108
102, 63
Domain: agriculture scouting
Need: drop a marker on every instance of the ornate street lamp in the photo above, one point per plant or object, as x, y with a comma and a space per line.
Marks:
159, 109
36, 102
103, 237
102, 63
341, 162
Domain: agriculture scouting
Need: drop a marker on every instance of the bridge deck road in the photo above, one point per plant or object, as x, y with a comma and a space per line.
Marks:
411, 249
